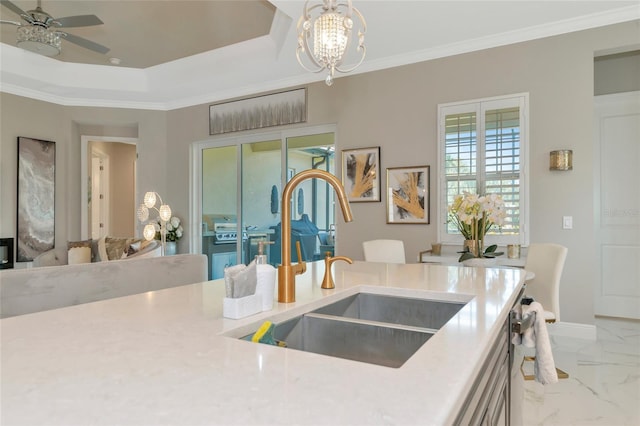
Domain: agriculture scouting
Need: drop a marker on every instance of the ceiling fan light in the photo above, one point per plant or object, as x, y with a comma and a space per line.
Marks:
41, 40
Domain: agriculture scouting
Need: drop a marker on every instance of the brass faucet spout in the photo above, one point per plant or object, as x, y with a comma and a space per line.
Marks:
287, 272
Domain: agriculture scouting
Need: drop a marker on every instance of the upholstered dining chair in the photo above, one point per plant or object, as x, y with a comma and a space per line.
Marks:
546, 261
389, 251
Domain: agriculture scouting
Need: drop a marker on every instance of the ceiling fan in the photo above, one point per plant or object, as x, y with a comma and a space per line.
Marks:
40, 33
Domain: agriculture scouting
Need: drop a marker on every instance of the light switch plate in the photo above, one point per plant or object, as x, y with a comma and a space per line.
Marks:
567, 222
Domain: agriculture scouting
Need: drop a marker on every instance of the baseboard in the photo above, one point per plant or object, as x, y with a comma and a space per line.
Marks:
572, 329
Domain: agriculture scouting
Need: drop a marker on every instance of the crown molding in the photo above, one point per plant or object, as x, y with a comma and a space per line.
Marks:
183, 83
617, 16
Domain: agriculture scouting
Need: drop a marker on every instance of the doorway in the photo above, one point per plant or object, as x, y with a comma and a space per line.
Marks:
108, 186
237, 184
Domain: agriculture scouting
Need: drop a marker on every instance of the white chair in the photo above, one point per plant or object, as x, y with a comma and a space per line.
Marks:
546, 261
388, 251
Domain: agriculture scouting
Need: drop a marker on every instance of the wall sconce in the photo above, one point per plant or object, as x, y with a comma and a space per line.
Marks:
561, 160
164, 212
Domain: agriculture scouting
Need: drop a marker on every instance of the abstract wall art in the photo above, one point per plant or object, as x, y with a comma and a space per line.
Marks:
277, 109
361, 174
36, 198
408, 195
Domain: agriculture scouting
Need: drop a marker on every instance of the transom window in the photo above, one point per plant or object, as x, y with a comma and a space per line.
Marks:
482, 149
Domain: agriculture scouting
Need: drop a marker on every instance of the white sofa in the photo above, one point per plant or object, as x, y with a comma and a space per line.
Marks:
60, 255
24, 291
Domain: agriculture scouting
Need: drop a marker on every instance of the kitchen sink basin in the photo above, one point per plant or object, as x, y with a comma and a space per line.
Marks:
367, 327
425, 313
378, 344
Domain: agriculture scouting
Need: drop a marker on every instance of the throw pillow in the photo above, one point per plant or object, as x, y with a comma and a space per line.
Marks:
102, 250
134, 248
77, 255
115, 247
79, 252
84, 243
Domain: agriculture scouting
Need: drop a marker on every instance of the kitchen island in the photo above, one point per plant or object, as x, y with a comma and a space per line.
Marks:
166, 357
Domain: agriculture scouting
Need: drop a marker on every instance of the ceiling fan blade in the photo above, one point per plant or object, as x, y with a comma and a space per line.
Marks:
83, 42
13, 7
79, 21
2, 21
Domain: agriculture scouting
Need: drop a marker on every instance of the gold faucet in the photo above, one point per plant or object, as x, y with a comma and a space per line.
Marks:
327, 281
286, 271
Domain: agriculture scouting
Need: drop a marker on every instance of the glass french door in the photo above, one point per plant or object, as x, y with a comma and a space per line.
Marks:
238, 185
219, 203
261, 189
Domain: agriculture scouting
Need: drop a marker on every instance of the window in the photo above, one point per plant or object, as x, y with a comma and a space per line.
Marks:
482, 149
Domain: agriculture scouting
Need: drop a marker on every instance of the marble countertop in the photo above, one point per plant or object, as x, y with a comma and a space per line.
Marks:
162, 357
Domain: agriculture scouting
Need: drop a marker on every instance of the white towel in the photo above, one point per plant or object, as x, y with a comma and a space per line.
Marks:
537, 336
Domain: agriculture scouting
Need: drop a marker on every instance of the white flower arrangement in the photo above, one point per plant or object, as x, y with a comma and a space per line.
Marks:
173, 227
474, 215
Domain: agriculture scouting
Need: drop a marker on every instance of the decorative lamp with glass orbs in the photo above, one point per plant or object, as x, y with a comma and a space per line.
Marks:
164, 212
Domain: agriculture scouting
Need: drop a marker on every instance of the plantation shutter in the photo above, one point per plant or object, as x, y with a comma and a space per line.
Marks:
461, 163
482, 143
502, 163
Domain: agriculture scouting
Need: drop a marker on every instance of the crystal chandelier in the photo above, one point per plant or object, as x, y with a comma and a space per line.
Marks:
39, 39
164, 212
324, 34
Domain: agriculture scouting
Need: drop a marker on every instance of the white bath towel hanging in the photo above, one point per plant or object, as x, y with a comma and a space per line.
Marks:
537, 337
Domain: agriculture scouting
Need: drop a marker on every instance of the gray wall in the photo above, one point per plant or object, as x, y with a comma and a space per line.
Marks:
617, 73
65, 125
396, 110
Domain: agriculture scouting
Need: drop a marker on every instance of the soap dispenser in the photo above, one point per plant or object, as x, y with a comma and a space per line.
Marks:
327, 281
266, 277
261, 258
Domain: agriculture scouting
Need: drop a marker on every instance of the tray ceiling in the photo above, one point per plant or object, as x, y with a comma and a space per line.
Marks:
181, 53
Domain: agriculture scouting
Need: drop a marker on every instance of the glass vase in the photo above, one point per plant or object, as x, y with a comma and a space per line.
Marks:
170, 248
473, 247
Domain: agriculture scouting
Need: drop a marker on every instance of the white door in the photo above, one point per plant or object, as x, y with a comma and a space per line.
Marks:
99, 195
617, 153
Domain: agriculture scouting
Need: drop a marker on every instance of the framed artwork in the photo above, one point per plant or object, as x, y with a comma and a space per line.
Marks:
277, 109
408, 195
36, 198
361, 174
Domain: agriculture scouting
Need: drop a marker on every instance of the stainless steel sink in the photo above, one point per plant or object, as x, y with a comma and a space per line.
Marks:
425, 313
366, 342
366, 327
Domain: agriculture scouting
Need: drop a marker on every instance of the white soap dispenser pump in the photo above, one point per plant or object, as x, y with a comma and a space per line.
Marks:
261, 258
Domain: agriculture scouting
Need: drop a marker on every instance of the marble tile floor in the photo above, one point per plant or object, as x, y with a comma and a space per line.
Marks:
603, 387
